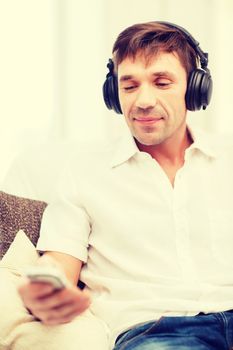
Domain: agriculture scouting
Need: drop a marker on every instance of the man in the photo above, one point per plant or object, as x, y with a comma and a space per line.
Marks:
147, 223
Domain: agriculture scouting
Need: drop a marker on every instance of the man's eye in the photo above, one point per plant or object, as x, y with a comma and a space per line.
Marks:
163, 83
129, 88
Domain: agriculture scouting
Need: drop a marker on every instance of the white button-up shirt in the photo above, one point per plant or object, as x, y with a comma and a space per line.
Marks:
149, 249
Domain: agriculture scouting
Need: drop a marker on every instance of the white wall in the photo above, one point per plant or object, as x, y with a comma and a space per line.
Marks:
26, 73
53, 64
222, 62
50, 73
81, 50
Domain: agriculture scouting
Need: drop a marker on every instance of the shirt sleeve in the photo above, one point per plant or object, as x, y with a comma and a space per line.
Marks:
66, 224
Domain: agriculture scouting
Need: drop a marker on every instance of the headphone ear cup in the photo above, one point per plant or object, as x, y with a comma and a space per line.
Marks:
199, 90
110, 93
206, 89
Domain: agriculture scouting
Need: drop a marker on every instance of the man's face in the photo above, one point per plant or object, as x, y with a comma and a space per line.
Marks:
152, 97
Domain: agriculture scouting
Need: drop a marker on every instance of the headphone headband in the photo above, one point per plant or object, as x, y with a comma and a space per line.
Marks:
193, 42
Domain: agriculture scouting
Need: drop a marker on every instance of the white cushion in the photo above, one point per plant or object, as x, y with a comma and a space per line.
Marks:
20, 253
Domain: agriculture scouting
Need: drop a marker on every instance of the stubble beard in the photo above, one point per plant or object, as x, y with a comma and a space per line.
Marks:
149, 136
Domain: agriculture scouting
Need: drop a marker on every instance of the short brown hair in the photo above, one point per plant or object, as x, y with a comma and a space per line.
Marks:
150, 39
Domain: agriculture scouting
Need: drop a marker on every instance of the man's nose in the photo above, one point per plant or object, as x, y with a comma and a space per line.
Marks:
146, 98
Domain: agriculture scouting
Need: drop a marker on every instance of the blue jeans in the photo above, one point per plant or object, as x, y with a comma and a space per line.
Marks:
202, 332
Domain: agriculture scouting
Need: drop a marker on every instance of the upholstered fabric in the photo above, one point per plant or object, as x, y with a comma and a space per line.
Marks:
19, 213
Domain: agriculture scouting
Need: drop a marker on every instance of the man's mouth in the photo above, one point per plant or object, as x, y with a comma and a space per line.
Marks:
147, 120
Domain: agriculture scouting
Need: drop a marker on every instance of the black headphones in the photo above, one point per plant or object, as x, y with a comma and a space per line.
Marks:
199, 86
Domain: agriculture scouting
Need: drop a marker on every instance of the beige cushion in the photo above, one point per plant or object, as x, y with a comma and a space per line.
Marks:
20, 254
20, 331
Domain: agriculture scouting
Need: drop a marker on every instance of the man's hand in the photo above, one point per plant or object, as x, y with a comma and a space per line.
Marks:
54, 306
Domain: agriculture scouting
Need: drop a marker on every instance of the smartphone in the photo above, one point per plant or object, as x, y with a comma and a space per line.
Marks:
46, 274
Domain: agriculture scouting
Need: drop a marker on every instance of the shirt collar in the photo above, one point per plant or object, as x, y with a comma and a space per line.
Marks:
203, 141
125, 147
